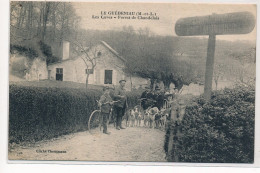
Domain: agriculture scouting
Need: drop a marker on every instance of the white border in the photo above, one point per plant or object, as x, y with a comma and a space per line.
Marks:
62, 166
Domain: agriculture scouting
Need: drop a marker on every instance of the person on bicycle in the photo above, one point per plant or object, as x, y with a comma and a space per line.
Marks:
105, 104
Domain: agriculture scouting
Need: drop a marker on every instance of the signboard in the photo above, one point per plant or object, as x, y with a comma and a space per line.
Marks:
212, 25
216, 24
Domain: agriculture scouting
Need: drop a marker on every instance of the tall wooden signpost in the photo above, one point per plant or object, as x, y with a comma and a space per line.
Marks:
212, 25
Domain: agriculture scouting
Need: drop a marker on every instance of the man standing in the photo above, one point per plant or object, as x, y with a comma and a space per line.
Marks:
158, 97
144, 98
120, 106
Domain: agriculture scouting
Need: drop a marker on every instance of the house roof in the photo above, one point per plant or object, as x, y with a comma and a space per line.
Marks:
61, 61
113, 51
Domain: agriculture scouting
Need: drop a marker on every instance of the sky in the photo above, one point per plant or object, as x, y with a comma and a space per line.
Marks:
168, 14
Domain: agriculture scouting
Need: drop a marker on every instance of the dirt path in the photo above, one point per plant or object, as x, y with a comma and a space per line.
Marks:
131, 144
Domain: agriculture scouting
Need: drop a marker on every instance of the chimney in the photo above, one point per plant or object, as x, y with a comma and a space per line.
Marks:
66, 50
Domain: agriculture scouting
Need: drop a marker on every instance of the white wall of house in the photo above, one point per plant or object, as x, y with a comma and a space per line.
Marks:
75, 69
107, 61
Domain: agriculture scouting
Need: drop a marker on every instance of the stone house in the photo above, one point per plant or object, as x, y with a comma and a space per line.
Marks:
109, 67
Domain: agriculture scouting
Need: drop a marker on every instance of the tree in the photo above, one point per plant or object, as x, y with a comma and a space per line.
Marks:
46, 11
89, 55
244, 67
48, 22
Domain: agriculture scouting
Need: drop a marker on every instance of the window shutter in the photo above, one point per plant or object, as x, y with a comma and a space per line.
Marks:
98, 71
102, 75
114, 77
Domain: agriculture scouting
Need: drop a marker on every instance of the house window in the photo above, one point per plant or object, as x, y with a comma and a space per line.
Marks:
108, 77
59, 70
99, 54
59, 74
89, 71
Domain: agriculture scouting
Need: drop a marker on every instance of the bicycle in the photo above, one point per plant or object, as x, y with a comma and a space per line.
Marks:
96, 119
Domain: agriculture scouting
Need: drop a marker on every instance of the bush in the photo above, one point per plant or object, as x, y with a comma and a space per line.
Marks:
221, 131
37, 113
25, 51
46, 50
43, 113
132, 98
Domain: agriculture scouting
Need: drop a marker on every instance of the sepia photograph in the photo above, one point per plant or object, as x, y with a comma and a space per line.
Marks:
132, 82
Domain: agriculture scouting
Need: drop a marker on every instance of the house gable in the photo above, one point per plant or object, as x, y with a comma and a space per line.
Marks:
113, 51
108, 63
109, 60
108, 57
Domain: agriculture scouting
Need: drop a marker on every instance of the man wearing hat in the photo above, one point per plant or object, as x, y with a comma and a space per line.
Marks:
120, 106
146, 95
158, 97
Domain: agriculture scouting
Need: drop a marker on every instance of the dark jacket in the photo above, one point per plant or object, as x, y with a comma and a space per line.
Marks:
159, 98
144, 99
117, 96
105, 108
147, 98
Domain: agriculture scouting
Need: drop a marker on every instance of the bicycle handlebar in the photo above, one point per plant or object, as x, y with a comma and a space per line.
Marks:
146, 99
109, 102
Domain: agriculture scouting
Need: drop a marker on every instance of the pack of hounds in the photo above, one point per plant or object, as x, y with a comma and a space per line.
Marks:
151, 117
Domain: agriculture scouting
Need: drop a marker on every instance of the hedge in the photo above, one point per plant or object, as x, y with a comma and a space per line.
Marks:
221, 131
37, 113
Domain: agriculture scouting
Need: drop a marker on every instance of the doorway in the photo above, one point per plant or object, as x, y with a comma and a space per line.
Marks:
108, 77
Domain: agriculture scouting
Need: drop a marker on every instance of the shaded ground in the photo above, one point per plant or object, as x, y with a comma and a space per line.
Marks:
132, 144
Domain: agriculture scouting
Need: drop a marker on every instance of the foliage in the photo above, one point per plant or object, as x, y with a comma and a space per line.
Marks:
148, 55
221, 131
43, 20
46, 50
37, 113
33, 52
49, 22
173, 55
25, 51
132, 98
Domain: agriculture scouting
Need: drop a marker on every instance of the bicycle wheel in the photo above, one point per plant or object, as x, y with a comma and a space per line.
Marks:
95, 120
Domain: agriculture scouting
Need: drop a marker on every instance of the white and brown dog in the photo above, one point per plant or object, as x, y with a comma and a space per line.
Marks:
146, 118
132, 118
139, 119
138, 115
152, 113
164, 116
163, 121
127, 118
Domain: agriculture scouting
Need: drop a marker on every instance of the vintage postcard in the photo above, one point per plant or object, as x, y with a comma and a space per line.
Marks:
132, 82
